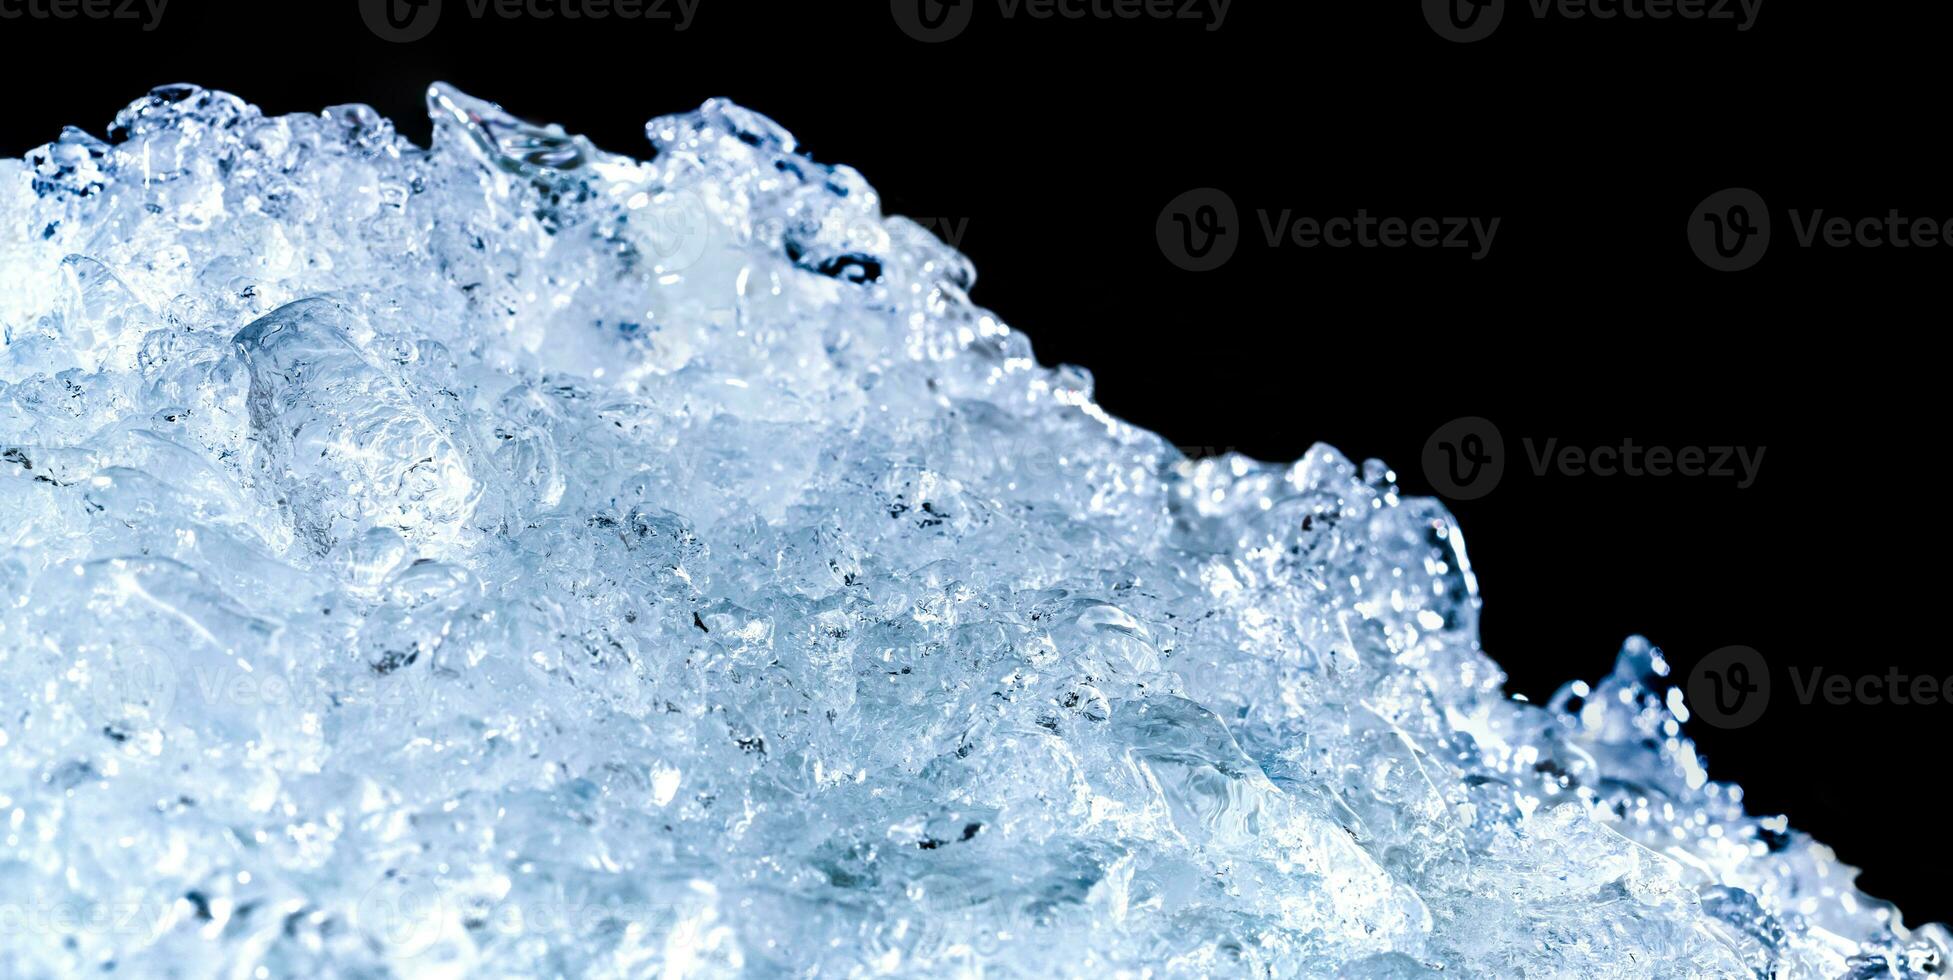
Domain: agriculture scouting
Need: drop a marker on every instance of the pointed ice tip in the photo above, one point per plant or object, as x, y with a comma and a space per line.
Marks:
749, 127
1641, 661
444, 101
503, 141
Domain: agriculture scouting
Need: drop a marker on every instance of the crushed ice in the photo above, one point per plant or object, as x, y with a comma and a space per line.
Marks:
514, 559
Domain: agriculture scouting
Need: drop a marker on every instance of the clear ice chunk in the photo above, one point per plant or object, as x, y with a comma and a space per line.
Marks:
341, 442
511, 558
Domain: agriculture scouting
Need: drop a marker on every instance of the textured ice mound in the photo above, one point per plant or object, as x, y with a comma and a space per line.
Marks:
512, 559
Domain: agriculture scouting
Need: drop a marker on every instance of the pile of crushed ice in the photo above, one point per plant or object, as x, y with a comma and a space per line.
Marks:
513, 559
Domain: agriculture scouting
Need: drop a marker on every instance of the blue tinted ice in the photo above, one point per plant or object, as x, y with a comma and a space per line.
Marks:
516, 559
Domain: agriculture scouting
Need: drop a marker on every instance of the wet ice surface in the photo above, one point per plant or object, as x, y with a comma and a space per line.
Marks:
512, 559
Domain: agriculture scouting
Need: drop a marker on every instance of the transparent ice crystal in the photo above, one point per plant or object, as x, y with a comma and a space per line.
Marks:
514, 559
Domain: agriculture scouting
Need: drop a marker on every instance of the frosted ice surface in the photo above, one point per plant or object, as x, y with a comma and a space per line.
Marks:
514, 559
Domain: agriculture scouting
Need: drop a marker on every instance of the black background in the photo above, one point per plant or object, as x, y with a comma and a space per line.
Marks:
1057, 144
